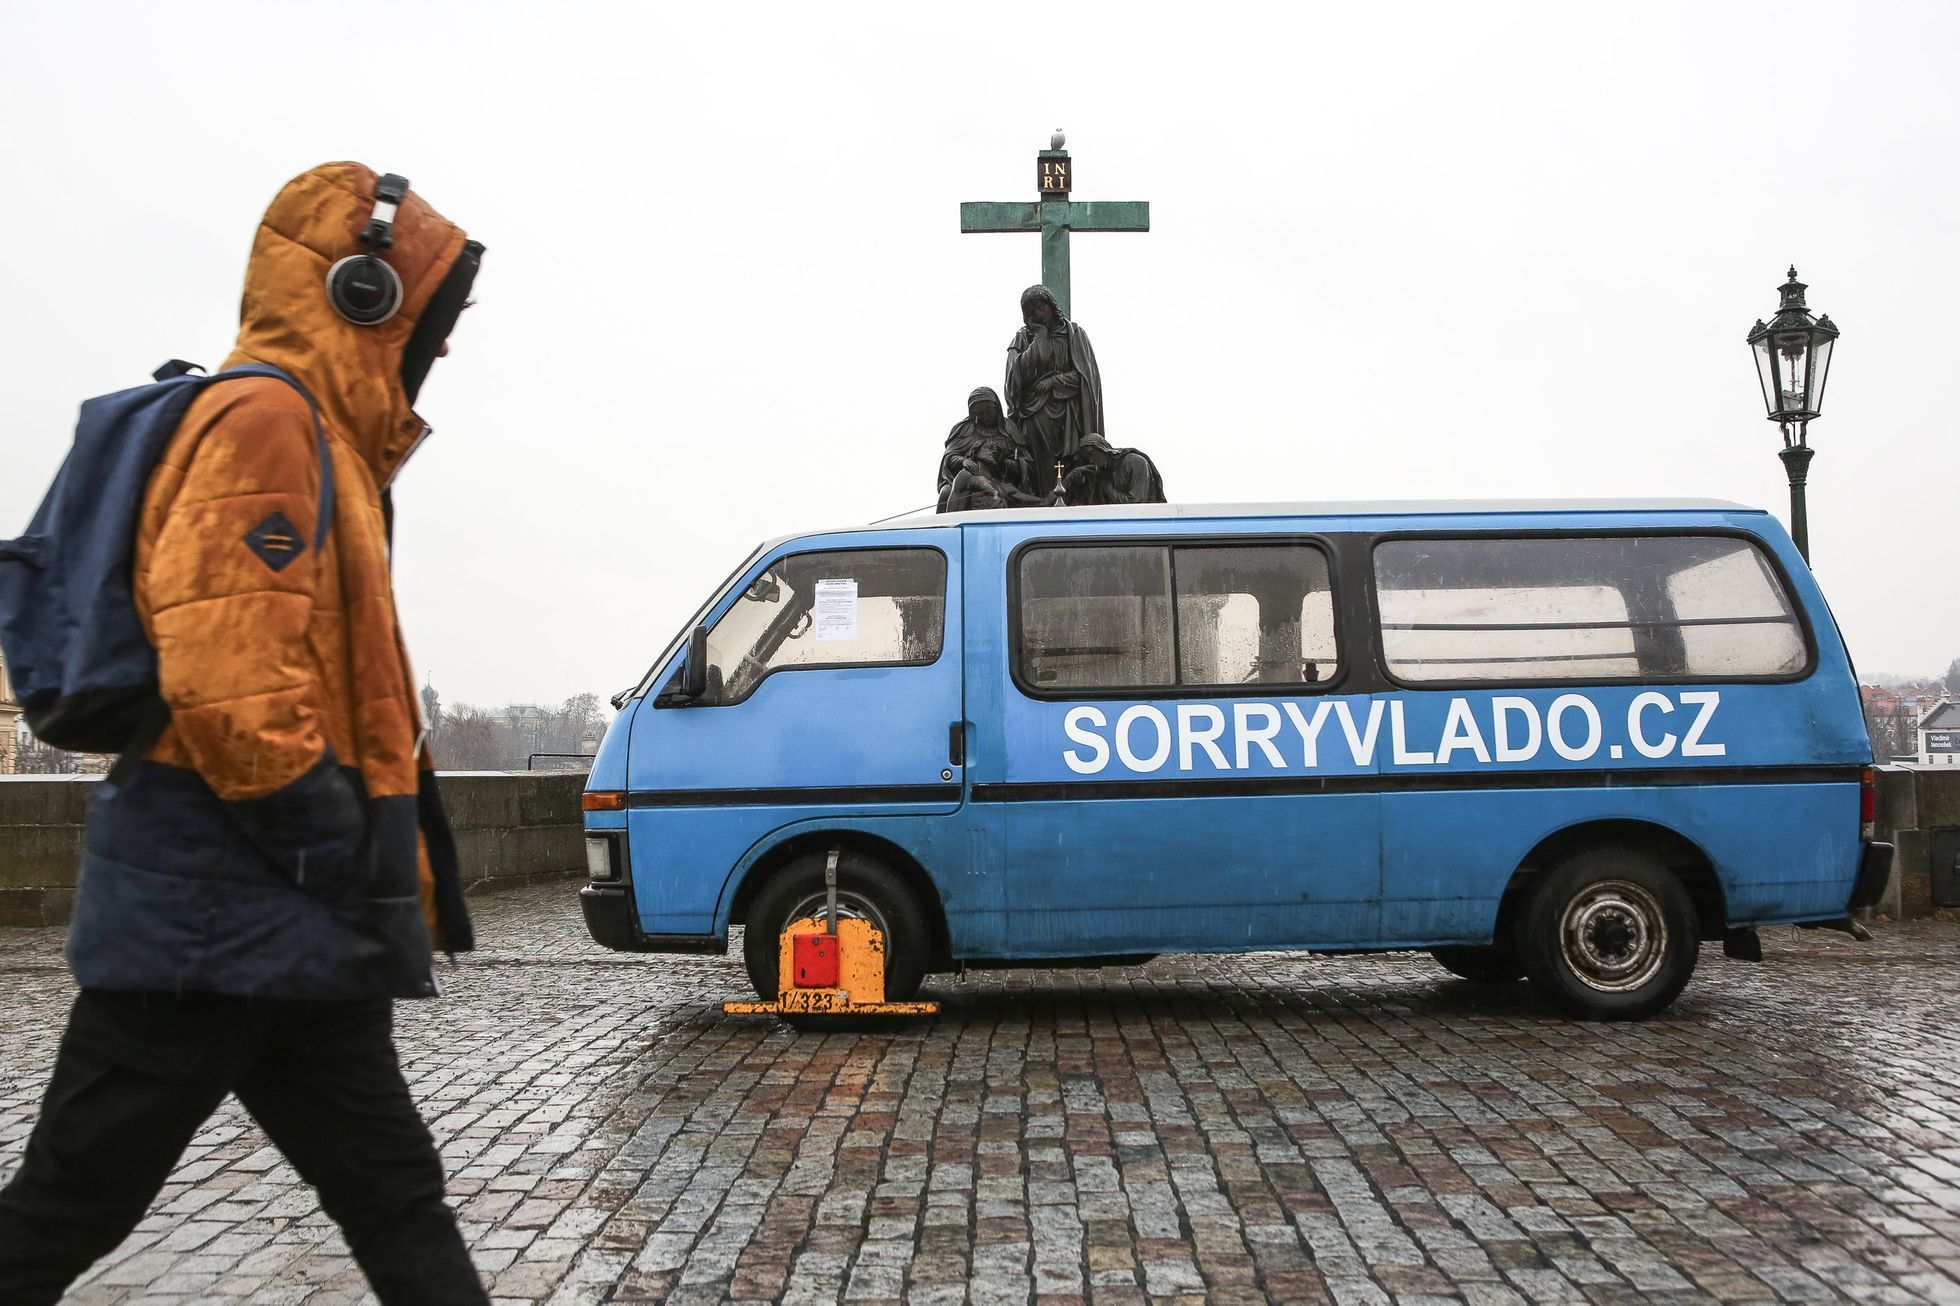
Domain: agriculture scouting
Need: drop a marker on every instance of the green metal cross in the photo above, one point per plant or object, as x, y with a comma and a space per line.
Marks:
1054, 216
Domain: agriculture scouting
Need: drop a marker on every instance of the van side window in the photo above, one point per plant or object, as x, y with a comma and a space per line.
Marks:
1600, 608
848, 607
1096, 617
1153, 616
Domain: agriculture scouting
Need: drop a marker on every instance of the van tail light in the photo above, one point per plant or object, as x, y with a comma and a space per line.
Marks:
1868, 803
602, 800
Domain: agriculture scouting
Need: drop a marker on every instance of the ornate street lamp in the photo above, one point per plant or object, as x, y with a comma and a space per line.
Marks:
1793, 358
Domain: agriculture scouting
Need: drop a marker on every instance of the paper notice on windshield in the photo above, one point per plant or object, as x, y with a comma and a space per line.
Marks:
837, 609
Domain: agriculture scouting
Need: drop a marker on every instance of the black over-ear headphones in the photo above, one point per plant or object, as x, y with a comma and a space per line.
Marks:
362, 288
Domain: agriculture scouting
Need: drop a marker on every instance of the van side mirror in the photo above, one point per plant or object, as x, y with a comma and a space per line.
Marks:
694, 673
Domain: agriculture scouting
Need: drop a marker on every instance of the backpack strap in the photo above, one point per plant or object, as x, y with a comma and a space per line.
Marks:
325, 516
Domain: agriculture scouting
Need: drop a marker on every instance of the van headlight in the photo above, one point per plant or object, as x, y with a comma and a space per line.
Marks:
603, 861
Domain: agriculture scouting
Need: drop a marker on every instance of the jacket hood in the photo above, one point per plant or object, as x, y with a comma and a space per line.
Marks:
363, 378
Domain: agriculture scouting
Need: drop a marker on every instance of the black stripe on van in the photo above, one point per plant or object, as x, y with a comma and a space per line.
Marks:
1404, 783
827, 796
1246, 787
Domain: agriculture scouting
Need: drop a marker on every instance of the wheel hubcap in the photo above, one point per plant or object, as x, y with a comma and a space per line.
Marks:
1613, 936
850, 906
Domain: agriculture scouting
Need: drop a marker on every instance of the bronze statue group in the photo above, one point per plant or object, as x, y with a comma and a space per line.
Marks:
1044, 445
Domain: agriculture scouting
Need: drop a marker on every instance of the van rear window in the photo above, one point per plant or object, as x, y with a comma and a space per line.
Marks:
1122, 617
1539, 609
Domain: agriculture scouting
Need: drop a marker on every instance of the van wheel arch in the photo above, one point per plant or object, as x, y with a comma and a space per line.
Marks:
902, 863
1684, 858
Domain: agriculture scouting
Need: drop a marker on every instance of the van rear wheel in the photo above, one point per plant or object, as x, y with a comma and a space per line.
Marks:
1609, 935
867, 890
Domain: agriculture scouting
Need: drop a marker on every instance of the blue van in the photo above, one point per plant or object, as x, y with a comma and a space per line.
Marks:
1559, 741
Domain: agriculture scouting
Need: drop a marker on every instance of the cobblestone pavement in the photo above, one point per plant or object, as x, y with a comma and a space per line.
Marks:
1231, 1129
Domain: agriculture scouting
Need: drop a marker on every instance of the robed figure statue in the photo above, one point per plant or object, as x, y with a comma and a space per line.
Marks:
983, 465
1054, 391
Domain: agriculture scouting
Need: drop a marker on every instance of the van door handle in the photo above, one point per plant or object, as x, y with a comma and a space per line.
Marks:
956, 744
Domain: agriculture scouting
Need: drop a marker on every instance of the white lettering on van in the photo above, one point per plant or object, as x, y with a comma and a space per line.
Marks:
1555, 727
1241, 736
1361, 746
1309, 729
1127, 722
1460, 731
1403, 755
1242, 714
1709, 699
1189, 736
1098, 756
1644, 746
1500, 707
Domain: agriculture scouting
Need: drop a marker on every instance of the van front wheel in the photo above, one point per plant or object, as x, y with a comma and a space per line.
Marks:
1609, 935
867, 890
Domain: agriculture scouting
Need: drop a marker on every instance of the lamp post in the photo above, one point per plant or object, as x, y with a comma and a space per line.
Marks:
1793, 358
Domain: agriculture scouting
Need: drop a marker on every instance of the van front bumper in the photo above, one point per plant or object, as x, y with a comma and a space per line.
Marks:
1873, 874
612, 921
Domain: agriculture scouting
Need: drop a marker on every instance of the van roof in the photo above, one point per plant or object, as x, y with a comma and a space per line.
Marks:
1321, 508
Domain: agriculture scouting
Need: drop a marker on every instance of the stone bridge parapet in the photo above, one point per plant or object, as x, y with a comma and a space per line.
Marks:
510, 827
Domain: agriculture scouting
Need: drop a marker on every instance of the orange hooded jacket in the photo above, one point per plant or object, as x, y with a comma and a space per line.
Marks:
284, 836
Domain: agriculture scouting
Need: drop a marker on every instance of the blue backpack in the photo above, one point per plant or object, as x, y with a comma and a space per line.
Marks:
82, 666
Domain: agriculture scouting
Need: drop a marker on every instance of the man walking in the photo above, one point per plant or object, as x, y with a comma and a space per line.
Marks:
261, 882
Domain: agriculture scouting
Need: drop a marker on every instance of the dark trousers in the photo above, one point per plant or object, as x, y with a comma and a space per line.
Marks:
139, 1073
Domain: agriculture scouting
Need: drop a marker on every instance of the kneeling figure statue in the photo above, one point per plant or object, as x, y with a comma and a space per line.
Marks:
1101, 473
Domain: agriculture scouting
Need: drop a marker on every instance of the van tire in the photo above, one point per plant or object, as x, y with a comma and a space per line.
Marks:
1492, 964
1609, 935
866, 888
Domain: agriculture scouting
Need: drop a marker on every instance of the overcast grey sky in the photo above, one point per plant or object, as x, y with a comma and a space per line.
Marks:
1397, 251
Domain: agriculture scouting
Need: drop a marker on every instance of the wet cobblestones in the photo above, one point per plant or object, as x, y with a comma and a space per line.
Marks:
1225, 1129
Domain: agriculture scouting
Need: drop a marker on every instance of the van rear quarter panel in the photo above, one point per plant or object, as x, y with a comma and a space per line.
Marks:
1782, 852
1785, 846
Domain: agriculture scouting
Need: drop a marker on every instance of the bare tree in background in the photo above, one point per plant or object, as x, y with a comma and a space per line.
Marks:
481, 739
1891, 730
473, 740
584, 719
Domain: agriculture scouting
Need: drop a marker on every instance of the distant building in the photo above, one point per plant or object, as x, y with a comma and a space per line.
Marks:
9, 722
21, 753
1939, 735
1893, 718
527, 723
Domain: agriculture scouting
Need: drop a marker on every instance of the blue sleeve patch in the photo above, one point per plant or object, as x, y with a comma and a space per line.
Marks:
276, 540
